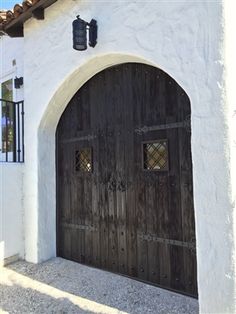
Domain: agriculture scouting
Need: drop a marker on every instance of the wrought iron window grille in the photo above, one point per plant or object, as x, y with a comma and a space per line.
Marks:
155, 155
12, 131
83, 160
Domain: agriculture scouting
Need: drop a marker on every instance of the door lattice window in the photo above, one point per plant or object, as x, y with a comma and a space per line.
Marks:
83, 160
155, 155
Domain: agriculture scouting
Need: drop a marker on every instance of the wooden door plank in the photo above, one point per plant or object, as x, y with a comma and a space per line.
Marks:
163, 249
188, 223
129, 172
152, 222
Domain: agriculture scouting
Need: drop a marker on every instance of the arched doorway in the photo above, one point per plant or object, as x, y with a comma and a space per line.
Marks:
124, 177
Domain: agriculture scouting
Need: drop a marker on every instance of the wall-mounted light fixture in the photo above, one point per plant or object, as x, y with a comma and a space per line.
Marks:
18, 82
80, 28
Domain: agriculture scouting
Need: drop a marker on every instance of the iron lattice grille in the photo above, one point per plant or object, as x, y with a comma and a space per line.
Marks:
12, 131
83, 160
155, 155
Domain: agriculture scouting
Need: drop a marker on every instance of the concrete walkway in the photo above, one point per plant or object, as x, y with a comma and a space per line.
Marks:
61, 286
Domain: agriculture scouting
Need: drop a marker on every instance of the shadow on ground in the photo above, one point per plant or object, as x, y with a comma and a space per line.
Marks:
61, 286
21, 300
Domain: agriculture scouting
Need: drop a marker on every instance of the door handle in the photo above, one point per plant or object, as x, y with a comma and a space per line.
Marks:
111, 185
121, 186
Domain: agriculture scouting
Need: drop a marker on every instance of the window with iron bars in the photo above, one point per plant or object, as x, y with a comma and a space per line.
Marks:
12, 125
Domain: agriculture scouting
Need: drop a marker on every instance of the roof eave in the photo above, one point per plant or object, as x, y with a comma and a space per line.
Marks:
15, 28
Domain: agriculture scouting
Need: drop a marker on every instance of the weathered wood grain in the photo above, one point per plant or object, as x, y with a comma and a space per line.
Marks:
110, 217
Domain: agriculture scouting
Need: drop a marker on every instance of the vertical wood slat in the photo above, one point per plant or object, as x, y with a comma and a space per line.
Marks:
111, 163
95, 208
188, 223
111, 106
129, 174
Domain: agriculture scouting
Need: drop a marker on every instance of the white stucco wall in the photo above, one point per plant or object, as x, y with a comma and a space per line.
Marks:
11, 228
12, 49
186, 40
230, 79
11, 174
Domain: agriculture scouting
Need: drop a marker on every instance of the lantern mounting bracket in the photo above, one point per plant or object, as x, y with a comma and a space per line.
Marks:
80, 29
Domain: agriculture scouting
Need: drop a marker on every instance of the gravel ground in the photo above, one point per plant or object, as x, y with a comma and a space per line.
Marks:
61, 286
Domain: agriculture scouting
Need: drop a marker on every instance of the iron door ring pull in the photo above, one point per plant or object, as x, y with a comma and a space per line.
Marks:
121, 186
112, 185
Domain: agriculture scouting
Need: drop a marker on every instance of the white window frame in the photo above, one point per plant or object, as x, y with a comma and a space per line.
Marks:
8, 76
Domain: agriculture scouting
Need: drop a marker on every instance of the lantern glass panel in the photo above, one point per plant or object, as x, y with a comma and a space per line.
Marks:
79, 34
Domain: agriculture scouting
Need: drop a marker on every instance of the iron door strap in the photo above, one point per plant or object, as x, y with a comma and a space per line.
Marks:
88, 137
182, 124
153, 238
79, 226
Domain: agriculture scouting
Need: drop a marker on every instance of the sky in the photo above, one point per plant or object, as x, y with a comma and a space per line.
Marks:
8, 4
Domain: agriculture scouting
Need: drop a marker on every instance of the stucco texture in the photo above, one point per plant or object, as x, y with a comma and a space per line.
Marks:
11, 211
184, 39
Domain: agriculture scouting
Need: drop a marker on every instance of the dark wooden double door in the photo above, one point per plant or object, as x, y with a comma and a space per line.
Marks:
124, 177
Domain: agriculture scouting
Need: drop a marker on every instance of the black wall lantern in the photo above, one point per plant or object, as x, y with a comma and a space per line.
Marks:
80, 28
18, 82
